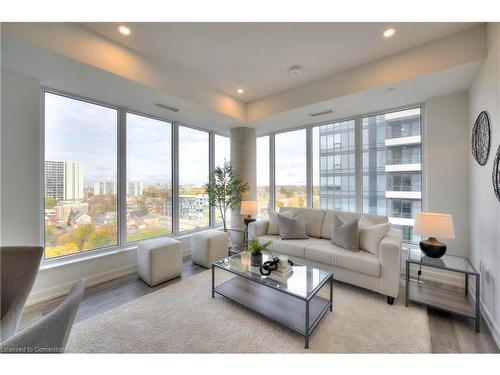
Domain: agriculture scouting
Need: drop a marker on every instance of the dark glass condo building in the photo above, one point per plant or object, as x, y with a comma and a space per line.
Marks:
388, 180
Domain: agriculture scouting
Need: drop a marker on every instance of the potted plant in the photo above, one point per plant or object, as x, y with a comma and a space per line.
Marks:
256, 250
224, 189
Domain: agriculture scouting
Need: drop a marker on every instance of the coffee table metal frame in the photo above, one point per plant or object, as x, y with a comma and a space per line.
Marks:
309, 326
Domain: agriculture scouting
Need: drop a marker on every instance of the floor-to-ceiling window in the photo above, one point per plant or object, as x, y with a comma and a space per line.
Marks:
149, 177
365, 163
80, 175
262, 176
290, 169
392, 167
194, 211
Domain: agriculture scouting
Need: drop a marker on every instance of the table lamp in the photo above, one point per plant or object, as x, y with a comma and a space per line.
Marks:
434, 225
248, 208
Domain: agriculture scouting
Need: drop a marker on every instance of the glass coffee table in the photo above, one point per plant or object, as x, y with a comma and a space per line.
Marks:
291, 301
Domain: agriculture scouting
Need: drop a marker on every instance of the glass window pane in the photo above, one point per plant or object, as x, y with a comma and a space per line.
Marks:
222, 150
335, 176
222, 153
262, 176
149, 177
193, 174
80, 176
290, 156
392, 168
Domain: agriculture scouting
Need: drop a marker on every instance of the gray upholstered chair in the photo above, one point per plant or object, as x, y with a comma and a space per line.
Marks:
50, 334
19, 266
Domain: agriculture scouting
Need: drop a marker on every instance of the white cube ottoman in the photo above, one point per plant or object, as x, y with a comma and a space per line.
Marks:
159, 260
209, 246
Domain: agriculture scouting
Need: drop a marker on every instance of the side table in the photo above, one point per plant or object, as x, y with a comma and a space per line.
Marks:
456, 302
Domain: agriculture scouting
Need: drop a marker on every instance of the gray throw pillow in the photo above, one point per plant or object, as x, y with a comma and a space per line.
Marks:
292, 228
344, 234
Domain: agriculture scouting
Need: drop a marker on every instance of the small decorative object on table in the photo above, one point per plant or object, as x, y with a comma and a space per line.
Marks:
434, 225
279, 266
248, 208
256, 249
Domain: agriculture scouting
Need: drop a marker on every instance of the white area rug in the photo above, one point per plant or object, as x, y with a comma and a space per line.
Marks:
183, 318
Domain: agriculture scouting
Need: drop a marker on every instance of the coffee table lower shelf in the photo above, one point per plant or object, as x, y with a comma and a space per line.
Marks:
277, 306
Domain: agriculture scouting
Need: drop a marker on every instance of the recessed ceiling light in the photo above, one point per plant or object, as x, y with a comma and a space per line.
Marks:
389, 32
124, 30
240, 91
295, 70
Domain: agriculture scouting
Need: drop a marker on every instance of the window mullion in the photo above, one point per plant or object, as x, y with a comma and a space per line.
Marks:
122, 178
309, 167
272, 174
175, 178
359, 163
211, 166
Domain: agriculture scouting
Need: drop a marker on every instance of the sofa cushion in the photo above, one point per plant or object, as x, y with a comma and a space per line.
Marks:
346, 217
292, 228
323, 251
345, 234
313, 218
287, 247
371, 235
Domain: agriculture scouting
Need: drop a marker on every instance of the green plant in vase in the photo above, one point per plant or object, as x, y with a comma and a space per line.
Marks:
256, 249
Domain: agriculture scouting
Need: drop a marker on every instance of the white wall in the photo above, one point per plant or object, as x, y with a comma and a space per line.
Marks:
20, 160
446, 148
484, 94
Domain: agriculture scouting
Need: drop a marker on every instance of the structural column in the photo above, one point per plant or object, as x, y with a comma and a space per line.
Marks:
243, 157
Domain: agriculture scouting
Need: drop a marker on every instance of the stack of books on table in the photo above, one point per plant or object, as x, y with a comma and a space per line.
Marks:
282, 273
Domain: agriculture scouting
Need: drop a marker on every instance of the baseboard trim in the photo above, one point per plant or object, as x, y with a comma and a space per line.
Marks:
92, 280
494, 329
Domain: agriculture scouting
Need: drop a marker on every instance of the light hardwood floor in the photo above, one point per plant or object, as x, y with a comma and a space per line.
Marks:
449, 333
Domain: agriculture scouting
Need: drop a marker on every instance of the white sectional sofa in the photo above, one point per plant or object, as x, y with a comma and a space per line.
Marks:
380, 273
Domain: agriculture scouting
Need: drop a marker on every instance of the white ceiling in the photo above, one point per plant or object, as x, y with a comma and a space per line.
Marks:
256, 56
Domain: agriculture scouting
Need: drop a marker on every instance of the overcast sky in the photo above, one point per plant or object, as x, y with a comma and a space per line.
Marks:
291, 158
76, 130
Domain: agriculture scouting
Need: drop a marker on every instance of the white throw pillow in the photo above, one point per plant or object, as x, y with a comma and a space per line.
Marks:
371, 235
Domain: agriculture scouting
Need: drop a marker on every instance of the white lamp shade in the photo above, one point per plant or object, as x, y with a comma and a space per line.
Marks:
435, 225
248, 207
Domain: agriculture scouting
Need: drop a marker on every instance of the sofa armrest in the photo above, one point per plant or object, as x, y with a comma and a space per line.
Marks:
257, 228
390, 263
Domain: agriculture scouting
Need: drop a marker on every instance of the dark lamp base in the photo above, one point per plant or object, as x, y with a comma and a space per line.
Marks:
248, 220
433, 248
